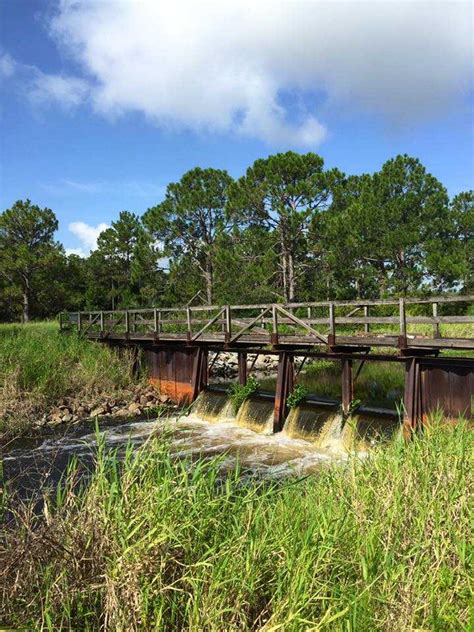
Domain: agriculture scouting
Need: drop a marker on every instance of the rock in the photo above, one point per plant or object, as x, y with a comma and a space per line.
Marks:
163, 398
134, 408
143, 400
67, 417
55, 419
100, 410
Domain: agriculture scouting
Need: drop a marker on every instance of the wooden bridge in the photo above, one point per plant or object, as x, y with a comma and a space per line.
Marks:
177, 341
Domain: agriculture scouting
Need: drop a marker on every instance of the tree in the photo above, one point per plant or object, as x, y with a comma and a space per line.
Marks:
190, 219
27, 247
282, 193
388, 225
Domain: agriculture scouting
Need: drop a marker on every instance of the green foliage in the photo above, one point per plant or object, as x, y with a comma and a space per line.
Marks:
153, 543
40, 366
283, 192
27, 248
240, 392
286, 230
297, 396
191, 218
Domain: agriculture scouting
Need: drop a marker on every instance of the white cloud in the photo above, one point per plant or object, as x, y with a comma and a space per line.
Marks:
87, 235
67, 91
80, 252
254, 68
7, 65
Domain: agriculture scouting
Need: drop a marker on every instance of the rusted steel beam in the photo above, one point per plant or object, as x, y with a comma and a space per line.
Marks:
284, 387
242, 360
347, 386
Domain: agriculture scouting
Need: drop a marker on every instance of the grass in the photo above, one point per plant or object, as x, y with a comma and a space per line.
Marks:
155, 544
40, 366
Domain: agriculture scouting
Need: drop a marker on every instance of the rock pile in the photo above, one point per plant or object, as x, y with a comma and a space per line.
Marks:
142, 399
226, 366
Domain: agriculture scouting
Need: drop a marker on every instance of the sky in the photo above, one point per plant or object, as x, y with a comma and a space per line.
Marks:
103, 103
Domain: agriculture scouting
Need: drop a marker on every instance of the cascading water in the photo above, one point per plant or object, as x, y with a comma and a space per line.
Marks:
313, 434
256, 413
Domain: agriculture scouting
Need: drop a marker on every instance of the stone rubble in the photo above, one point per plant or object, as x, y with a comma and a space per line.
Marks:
140, 401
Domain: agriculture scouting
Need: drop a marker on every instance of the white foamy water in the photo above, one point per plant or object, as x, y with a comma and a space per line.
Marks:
193, 437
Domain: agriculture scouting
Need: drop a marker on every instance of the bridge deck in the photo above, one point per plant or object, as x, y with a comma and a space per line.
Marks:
424, 324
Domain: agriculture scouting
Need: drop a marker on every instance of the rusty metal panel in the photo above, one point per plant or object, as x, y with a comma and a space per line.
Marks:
178, 373
448, 387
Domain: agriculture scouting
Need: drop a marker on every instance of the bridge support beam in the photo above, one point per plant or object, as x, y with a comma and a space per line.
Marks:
347, 386
285, 380
242, 360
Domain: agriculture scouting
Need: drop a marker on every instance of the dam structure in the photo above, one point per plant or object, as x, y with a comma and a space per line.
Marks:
432, 338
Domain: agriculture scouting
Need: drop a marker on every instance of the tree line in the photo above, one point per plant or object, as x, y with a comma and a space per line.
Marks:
287, 230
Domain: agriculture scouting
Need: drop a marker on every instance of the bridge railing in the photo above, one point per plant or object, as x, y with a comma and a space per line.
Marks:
396, 322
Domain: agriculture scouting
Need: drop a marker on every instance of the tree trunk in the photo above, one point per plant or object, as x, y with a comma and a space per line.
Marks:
291, 277
26, 296
284, 266
26, 303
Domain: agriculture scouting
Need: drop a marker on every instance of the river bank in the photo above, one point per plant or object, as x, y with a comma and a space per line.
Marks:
48, 379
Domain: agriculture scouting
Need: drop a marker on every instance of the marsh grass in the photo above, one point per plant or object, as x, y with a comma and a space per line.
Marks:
40, 366
159, 544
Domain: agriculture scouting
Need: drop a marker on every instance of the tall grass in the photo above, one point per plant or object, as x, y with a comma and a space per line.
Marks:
40, 366
154, 544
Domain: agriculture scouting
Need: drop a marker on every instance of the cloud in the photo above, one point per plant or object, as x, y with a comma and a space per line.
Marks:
69, 92
7, 65
80, 252
136, 188
87, 235
273, 71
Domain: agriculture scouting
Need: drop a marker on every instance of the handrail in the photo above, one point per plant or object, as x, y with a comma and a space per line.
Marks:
277, 322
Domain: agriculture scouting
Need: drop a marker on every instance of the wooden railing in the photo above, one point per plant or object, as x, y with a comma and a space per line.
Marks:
392, 322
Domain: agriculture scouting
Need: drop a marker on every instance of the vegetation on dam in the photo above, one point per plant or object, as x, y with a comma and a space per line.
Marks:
154, 543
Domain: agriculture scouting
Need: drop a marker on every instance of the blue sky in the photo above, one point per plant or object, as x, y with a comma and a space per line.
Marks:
104, 103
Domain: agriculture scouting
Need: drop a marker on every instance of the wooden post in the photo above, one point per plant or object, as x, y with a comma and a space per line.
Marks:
402, 336
284, 387
274, 337
332, 326
242, 359
436, 331
127, 322
189, 332
79, 322
228, 323
347, 386
101, 322
366, 315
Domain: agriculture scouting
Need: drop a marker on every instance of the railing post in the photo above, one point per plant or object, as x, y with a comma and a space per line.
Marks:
101, 322
127, 322
436, 331
189, 332
228, 324
79, 322
402, 336
332, 326
274, 337
366, 315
